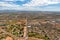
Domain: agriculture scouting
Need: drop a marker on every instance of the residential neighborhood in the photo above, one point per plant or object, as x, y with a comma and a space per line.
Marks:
30, 26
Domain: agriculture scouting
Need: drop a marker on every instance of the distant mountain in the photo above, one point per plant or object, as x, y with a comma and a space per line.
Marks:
38, 12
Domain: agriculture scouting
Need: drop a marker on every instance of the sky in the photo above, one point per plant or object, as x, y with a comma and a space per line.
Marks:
30, 5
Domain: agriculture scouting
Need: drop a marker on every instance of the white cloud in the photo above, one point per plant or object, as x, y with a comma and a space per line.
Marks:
41, 2
13, 0
28, 6
6, 4
9, 6
35, 2
20, 8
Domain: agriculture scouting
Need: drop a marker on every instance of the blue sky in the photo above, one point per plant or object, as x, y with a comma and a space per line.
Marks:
30, 5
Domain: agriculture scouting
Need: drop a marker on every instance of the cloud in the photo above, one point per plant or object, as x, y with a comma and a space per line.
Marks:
32, 5
41, 2
21, 8
9, 6
12, 6
13, 0
37, 2
6, 4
